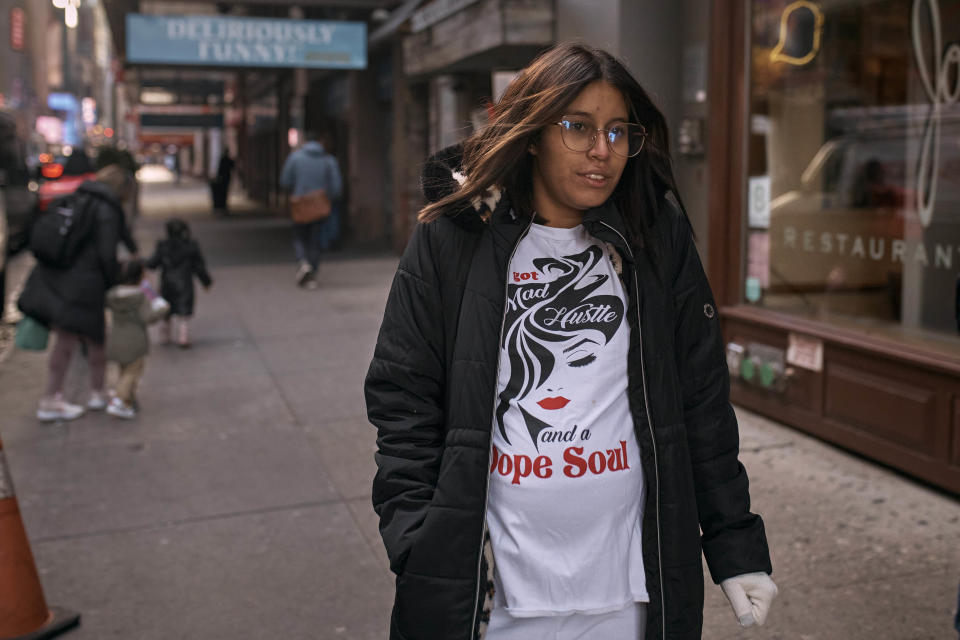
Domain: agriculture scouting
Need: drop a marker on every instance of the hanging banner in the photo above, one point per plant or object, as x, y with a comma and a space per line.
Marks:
246, 42
17, 29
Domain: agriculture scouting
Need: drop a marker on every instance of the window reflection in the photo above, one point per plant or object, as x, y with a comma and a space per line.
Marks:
860, 144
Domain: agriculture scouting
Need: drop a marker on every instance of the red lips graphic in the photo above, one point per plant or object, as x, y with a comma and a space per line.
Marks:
553, 403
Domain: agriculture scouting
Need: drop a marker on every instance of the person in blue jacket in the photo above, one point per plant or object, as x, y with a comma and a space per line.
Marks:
307, 169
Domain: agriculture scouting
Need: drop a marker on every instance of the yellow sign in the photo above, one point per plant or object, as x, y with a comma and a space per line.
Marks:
777, 55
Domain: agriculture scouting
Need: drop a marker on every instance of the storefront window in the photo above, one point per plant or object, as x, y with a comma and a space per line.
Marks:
853, 207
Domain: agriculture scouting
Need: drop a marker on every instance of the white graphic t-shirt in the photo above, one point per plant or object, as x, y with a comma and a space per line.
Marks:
566, 484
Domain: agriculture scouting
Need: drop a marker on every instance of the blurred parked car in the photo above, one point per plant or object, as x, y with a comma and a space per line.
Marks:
61, 175
20, 203
17, 202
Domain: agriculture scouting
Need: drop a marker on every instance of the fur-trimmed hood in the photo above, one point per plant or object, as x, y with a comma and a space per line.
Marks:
428, 392
443, 173
442, 176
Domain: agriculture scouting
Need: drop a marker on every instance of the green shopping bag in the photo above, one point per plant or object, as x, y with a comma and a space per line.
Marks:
31, 335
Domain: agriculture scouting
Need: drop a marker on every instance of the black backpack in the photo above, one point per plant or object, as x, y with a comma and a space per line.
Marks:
61, 232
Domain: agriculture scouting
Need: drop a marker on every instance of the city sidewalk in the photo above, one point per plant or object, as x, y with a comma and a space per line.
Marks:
238, 504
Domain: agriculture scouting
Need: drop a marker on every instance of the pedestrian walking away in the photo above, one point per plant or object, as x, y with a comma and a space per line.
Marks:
127, 341
313, 175
75, 243
556, 447
180, 259
220, 185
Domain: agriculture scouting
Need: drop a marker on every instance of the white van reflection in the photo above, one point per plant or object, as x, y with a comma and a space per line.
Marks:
852, 229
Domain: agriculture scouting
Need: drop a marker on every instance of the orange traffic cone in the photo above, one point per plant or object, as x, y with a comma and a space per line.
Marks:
23, 610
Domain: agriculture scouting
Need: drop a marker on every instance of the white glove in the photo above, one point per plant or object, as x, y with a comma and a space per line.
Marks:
750, 596
159, 305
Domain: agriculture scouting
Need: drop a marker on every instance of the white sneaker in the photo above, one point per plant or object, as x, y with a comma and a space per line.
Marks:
304, 273
56, 408
119, 409
98, 401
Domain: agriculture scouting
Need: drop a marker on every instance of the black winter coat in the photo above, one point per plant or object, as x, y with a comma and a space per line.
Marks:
430, 392
73, 299
179, 260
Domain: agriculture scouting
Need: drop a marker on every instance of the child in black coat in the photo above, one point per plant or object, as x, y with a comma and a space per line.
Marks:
179, 259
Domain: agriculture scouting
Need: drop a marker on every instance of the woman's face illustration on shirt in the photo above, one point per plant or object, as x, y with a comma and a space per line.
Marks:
552, 326
581, 352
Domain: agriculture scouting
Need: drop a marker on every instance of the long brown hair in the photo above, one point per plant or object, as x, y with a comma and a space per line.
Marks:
119, 180
498, 155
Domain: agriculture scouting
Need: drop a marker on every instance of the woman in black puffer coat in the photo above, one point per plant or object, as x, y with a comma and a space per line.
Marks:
179, 259
71, 300
480, 493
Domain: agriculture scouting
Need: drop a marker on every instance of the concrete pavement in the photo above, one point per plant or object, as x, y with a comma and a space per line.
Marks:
238, 504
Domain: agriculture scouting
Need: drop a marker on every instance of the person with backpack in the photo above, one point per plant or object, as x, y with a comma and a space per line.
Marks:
75, 244
179, 258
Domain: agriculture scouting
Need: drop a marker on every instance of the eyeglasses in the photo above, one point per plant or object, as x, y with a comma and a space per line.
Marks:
625, 139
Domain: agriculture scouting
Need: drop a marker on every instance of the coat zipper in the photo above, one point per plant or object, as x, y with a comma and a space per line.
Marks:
646, 402
496, 382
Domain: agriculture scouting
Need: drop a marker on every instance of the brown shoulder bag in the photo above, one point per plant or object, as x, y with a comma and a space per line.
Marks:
310, 207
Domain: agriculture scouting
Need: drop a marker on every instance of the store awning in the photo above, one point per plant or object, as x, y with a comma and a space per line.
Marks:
117, 10
482, 35
385, 32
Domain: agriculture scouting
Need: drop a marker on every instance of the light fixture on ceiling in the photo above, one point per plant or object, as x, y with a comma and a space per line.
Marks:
155, 95
71, 15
